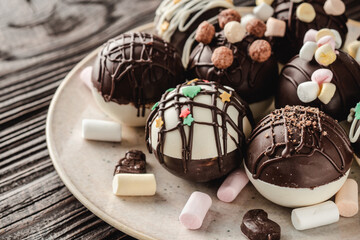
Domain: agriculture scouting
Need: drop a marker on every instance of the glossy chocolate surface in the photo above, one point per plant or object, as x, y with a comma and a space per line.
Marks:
287, 47
298, 147
133, 162
253, 81
136, 68
346, 78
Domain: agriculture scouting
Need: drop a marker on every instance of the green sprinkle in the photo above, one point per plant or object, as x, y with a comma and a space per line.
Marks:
357, 111
188, 120
155, 106
191, 91
170, 89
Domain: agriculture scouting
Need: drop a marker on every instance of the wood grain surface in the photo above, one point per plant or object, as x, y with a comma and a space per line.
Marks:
40, 42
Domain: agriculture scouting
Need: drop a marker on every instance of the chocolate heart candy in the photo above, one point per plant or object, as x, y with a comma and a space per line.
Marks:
257, 226
133, 162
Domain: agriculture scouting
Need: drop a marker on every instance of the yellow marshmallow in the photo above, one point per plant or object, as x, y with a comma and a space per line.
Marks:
324, 32
268, 2
305, 12
353, 47
325, 55
327, 92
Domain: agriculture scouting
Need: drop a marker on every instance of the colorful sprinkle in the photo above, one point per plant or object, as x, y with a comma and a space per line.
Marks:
155, 106
205, 80
159, 122
170, 89
225, 97
357, 111
185, 112
165, 26
191, 91
188, 120
176, 1
192, 81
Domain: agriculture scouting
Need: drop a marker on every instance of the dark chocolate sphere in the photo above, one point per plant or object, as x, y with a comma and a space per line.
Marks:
346, 73
288, 46
197, 131
253, 81
298, 147
136, 68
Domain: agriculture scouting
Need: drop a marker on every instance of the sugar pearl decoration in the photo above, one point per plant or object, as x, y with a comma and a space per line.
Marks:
234, 32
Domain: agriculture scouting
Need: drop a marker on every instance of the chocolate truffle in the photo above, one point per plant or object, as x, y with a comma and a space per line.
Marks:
288, 46
354, 133
133, 162
130, 74
257, 226
346, 72
298, 156
176, 21
197, 131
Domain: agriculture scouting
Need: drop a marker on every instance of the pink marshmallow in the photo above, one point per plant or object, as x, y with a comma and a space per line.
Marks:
310, 35
275, 27
322, 75
85, 76
232, 186
326, 40
346, 199
195, 209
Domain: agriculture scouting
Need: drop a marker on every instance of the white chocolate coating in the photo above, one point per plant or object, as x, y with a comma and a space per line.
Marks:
296, 197
129, 184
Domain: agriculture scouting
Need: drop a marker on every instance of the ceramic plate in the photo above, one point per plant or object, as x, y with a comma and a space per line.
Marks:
86, 168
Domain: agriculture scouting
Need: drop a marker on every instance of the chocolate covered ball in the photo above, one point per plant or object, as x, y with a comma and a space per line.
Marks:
298, 156
288, 46
346, 72
197, 131
130, 74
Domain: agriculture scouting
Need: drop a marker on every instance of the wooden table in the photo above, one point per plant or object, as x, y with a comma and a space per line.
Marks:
41, 41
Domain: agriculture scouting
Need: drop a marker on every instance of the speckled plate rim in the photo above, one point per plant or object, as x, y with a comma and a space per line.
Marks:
51, 142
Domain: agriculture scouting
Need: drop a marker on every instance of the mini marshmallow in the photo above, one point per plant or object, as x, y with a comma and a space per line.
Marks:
324, 32
195, 209
268, 2
322, 75
85, 76
101, 130
315, 216
338, 40
325, 55
308, 50
326, 40
334, 7
327, 92
310, 35
232, 186
353, 48
247, 18
263, 11
346, 199
234, 31
275, 27
305, 12
308, 91
134, 184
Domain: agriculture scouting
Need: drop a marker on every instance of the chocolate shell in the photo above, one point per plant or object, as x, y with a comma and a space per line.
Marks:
197, 130
288, 46
346, 78
298, 147
136, 68
253, 81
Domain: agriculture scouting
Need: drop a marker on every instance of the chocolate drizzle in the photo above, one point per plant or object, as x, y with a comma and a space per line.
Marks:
298, 147
253, 81
288, 46
200, 170
346, 78
136, 68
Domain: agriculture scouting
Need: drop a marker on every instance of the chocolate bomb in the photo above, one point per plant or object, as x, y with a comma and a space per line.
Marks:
136, 68
253, 81
257, 226
298, 147
197, 130
346, 78
133, 162
288, 46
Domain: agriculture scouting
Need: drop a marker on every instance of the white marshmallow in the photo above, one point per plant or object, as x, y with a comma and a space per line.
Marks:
134, 184
308, 50
327, 92
315, 216
338, 40
195, 209
247, 18
234, 31
232, 186
101, 130
263, 11
308, 91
